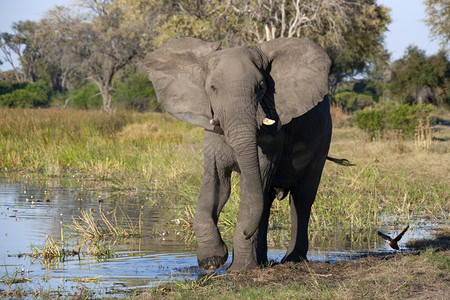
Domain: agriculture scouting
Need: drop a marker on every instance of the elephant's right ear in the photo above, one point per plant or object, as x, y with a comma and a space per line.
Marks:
179, 80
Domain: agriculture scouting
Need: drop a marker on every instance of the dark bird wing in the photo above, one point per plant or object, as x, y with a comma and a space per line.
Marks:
386, 237
401, 234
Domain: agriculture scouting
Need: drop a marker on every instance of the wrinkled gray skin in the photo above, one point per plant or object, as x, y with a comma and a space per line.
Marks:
230, 93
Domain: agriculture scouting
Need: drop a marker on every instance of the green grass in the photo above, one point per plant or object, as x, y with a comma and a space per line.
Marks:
127, 150
393, 179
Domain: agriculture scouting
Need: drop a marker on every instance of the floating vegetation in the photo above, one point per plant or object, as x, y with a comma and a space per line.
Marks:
14, 277
88, 279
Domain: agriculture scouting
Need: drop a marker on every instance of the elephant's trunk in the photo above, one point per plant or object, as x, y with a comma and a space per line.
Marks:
242, 139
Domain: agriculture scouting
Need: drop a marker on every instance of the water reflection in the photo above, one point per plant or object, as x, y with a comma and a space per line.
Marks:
30, 210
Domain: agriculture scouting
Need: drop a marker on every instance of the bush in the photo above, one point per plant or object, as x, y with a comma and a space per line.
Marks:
352, 101
28, 95
371, 120
9, 87
402, 117
136, 93
88, 97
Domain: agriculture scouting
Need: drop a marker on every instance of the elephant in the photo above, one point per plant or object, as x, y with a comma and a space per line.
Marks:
266, 115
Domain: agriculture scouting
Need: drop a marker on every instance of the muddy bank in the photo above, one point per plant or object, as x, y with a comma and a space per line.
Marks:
419, 274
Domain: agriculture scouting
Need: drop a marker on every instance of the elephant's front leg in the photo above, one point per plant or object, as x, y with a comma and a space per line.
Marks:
215, 191
252, 253
244, 251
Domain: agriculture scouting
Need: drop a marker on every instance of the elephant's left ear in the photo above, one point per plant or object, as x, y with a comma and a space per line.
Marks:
299, 69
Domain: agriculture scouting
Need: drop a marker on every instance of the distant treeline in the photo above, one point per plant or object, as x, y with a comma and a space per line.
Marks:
85, 55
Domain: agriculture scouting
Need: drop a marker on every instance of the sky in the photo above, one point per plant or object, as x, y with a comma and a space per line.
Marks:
407, 27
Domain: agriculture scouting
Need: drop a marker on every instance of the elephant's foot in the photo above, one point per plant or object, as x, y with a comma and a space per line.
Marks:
294, 257
245, 259
212, 263
243, 265
212, 258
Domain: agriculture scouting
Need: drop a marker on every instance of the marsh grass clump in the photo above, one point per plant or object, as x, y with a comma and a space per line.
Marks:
423, 135
94, 228
100, 249
52, 251
190, 285
99, 236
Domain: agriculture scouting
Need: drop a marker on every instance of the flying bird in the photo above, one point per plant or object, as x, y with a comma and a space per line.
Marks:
393, 242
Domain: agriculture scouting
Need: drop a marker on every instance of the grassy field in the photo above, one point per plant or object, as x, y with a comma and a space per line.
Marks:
126, 150
394, 179
394, 182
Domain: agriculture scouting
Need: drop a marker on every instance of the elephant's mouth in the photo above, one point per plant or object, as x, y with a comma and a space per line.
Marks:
216, 123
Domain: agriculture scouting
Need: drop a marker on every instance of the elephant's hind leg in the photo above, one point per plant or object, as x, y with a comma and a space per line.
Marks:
301, 200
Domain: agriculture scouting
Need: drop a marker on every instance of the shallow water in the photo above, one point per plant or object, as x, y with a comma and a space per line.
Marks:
29, 211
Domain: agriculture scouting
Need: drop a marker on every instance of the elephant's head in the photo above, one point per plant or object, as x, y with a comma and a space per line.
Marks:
237, 91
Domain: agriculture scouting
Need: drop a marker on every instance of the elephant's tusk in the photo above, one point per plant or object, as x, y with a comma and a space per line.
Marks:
214, 122
267, 121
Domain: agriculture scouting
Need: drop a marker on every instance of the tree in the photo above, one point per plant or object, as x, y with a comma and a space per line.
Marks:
438, 19
415, 72
98, 40
54, 65
350, 31
21, 44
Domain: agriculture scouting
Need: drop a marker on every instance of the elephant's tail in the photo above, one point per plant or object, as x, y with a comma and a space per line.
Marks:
341, 161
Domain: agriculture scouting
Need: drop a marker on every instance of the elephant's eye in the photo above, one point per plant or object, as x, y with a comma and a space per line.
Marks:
261, 85
213, 88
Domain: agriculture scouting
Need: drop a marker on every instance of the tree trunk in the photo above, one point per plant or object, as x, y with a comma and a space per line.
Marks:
105, 89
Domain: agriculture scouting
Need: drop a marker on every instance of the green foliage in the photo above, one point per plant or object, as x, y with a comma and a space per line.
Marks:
136, 93
25, 95
371, 120
438, 19
88, 97
352, 101
363, 93
407, 117
364, 41
402, 117
65, 46
9, 87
